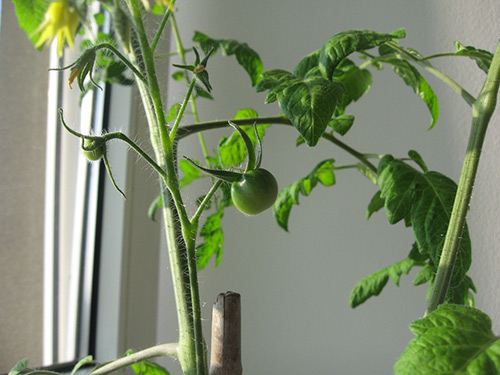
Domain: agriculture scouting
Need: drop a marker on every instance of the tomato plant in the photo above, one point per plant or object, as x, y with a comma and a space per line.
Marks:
313, 100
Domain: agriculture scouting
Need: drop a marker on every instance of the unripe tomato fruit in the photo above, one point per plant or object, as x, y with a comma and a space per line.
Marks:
255, 191
96, 154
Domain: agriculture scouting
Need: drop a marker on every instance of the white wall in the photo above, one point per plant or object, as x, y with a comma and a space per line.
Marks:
295, 286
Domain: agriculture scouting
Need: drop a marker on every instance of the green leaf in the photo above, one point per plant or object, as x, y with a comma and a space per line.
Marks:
417, 82
190, 173
453, 339
425, 275
425, 200
308, 63
355, 81
367, 172
415, 156
157, 9
376, 204
343, 44
19, 366
481, 57
84, 361
246, 57
323, 173
202, 93
373, 285
178, 76
99, 19
462, 294
430, 217
155, 205
232, 149
308, 102
30, 14
171, 115
213, 240
147, 367
341, 124
397, 181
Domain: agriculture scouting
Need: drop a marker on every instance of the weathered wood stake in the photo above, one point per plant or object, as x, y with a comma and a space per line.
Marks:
225, 358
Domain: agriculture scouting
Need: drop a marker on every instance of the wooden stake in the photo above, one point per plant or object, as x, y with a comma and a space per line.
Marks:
225, 356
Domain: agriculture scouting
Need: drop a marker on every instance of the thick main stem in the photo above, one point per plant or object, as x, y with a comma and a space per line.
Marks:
177, 225
482, 110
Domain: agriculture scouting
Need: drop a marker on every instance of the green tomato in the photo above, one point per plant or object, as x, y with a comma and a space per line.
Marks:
97, 153
255, 192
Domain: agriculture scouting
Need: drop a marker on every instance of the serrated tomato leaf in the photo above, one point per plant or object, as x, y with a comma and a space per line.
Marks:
189, 173
355, 81
19, 367
397, 181
453, 339
343, 44
373, 284
425, 275
213, 237
341, 124
308, 102
246, 56
147, 367
232, 149
481, 57
424, 200
308, 63
416, 81
417, 158
30, 14
376, 204
322, 173
82, 362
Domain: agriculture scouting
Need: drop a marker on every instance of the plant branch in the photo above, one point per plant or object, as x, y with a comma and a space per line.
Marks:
121, 136
436, 72
281, 120
153, 85
163, 22
182, 109
361, 157
169, 350
182, 54
123, 59
205, 201
482, 110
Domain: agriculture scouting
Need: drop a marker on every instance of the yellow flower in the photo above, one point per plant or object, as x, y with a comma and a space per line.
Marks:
167, 3
61, 20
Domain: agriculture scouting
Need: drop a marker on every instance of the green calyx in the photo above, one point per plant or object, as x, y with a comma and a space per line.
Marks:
198, 68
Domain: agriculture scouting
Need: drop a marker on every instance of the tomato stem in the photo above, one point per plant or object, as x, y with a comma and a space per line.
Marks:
482, 110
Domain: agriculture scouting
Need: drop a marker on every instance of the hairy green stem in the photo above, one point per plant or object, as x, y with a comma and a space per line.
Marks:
123, 59
153, 85
182, 109
182, 54
177, 225
159, 32
205, 201
136, 148
169, 350
482, 110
